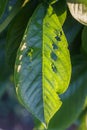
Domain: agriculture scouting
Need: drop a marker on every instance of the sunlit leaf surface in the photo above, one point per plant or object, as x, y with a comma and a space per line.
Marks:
43, 68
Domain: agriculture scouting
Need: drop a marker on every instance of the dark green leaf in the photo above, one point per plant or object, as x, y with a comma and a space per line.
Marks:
15, 9
16, 31
71, 28
3, 4
83, 121
3, 64
4, 71
61, 10
43, 66
84, 40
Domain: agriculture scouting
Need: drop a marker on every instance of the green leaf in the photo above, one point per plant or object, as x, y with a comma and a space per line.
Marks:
15, 9
61, 10
3, 65
50, 1
78, 9
71, 28
4, 71
16, 30
3, 4
43, 65
83, 121
84, 40
74, 99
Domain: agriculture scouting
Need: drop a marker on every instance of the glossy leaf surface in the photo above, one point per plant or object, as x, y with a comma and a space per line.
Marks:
43, 67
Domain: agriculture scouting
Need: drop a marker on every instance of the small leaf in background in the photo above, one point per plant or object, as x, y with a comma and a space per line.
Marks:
53, 1
78, 9
84, 40
43, 68
25, 2
3, 4
16, 30
50, 1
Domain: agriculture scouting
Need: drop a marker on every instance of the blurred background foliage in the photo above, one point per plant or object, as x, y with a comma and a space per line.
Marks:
73, 113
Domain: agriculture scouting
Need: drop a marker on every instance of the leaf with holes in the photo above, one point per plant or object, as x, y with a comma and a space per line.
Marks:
75, 96
42, 69
16, 31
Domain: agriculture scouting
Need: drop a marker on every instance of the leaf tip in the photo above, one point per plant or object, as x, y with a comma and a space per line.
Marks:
45, 125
